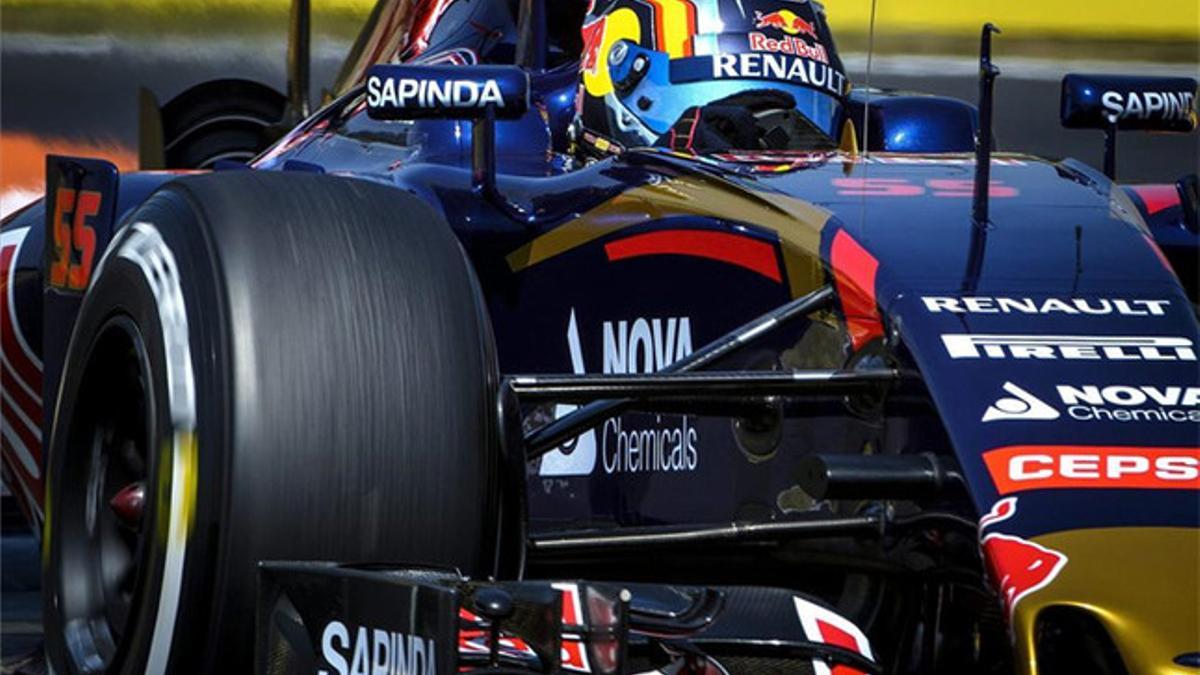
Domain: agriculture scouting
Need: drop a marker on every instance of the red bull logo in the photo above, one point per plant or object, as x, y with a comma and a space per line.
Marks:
788, 45
1017, 566
786, 21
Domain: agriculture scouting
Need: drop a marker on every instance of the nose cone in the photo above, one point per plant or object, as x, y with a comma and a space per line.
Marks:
1141, 584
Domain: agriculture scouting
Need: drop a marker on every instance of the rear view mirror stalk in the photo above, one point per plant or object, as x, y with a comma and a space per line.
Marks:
480, 94
298, 62
1110, 148
1113, 103
483, 155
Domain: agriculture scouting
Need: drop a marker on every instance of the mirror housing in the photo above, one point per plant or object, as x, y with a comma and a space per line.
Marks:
406, 92
480, 93
1119, 102
1133, 102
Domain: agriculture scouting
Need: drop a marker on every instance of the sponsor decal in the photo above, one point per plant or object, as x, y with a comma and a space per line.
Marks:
1126, 403
21, 395
1103, 403
630, 444
1019, 405
787, 21
1072, 306
374, 650
646, 345
661, 447
1017, 566
759, 42
1070, 347
1001, 511
950, 188
576, 457
407, 92
1042, 467
828, 627
74, 239
1172, 106
774, 67
669, 443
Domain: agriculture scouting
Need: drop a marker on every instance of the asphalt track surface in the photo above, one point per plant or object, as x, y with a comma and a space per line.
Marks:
85, 89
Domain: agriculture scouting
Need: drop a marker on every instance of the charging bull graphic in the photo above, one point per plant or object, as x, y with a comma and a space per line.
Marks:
786, 21
1017, 566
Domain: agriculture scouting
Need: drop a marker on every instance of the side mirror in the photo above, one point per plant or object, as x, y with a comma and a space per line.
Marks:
1141, 103
1126, 102
480, 93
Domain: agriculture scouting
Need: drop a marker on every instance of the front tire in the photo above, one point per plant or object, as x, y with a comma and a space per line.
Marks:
285, 367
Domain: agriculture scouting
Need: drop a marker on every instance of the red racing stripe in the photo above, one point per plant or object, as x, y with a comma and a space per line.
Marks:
1157, 197
832, 635
28, 437
747, 252
25, 402
854, 270
25, 482
14, 353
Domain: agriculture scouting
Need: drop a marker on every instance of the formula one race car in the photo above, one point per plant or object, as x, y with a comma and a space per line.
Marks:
798, 377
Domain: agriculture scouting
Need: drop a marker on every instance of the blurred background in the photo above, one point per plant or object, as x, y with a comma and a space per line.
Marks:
71, 70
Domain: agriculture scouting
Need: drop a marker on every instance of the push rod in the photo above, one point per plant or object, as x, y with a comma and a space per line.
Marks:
550, 436
704, 385
640, 537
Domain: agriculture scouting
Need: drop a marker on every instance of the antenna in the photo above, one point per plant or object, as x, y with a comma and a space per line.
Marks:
988, 73
983, 162
867, 100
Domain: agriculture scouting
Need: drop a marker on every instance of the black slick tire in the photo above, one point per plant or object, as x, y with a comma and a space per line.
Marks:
291, 367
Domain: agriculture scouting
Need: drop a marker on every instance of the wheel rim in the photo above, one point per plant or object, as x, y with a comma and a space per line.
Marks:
104, 522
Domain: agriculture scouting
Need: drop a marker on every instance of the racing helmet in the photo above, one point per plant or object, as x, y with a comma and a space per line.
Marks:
650, 68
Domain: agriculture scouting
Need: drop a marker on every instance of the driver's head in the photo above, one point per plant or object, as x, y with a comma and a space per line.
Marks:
762, 73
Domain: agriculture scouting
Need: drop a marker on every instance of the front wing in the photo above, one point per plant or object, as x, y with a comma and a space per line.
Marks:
329, 618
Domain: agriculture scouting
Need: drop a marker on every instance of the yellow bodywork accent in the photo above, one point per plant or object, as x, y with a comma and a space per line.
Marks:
798, 223
849, 141
1141, 583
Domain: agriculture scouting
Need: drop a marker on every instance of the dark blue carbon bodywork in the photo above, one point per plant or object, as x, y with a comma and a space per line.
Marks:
1057, 230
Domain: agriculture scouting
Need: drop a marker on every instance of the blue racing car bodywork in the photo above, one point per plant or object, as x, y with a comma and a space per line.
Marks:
1038, 385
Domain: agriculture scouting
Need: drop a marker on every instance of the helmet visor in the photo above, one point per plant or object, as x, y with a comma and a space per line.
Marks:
657, 92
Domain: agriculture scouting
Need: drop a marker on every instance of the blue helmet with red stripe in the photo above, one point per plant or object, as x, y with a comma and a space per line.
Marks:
651, 67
